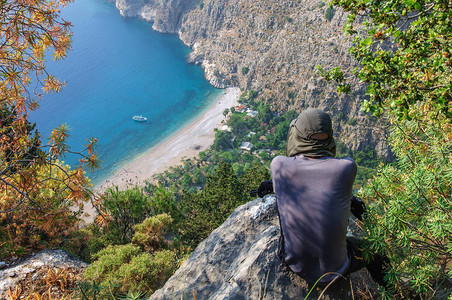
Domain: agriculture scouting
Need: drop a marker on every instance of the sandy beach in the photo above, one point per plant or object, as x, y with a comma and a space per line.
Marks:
186, 143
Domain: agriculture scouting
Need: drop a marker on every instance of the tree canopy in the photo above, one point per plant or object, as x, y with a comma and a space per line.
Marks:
36, 189
404, 54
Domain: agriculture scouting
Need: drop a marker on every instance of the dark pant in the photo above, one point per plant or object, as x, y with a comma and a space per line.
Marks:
377, 266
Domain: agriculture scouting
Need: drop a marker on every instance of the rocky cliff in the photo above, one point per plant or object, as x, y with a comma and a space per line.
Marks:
239, 261
166, 15
272, 47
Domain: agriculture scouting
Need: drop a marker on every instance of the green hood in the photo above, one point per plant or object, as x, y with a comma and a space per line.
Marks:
301, 129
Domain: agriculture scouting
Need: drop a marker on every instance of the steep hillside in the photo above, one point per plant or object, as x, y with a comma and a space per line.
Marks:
272, 47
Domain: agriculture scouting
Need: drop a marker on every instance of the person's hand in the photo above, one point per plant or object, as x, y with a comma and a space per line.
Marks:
357, 207
265, 188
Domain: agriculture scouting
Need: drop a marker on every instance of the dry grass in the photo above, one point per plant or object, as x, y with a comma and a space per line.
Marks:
46, 284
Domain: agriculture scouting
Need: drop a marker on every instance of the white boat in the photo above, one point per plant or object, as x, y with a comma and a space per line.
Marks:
140, 118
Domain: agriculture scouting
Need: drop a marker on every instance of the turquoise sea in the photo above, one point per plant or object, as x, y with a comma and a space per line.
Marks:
120, 67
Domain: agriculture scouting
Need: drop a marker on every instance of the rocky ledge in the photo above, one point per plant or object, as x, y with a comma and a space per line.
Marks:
239, 261
47, 267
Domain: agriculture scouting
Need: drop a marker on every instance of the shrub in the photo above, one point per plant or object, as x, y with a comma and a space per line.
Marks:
131, 269
220, 196
122, 210
407, 72
149, 234
85, 242
46, 220
411, 216
36, 189
164, 200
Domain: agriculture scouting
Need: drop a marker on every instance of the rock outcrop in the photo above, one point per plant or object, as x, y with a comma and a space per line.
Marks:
166, 15
239, 261
272, 47
31, 271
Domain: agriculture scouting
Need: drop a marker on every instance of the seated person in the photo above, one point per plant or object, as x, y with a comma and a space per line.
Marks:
314, 191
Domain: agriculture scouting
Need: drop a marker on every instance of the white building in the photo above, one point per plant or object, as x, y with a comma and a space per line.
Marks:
246, 146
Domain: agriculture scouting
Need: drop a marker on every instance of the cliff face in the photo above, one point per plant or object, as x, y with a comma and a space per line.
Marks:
166, 15
272, 47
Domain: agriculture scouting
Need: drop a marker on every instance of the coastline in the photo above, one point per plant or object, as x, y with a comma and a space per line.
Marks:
187, 142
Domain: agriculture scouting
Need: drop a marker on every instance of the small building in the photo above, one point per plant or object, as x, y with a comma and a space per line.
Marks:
250, 134
240, 108
226, 128
246, 146
252, 113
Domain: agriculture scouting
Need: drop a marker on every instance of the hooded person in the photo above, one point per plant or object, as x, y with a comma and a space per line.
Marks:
311, 134
313, 192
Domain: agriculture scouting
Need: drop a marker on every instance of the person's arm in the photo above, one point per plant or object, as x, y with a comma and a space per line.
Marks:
266, 187
357, 207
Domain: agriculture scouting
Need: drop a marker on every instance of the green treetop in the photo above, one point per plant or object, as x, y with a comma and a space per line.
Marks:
404, 52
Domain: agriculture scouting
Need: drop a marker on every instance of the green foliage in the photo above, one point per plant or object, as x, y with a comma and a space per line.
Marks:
291, 95
133, 268
223, 141
245, 70
133, 296
403, 48
121, 211
149, 233
124, 209
92, 290
109, 260
248, 97
404, 54
209, 208
86, 241
226, 112
265, 113
253, 177
411, 215
164, 201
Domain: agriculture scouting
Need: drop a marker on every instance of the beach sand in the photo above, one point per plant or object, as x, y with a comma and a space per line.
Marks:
186, 143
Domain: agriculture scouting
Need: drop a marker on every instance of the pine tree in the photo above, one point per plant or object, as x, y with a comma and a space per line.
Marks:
209, 208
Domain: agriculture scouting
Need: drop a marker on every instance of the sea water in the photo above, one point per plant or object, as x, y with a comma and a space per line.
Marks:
119, 67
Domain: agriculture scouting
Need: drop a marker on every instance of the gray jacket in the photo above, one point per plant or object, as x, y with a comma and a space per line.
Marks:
313, 197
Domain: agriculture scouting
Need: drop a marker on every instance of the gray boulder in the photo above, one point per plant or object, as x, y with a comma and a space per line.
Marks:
239, 261
29, 268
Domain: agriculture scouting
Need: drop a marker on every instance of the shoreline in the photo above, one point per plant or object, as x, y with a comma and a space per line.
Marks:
196, 136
